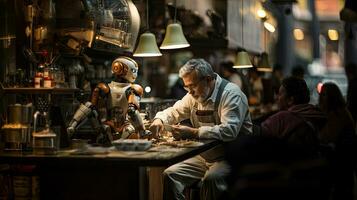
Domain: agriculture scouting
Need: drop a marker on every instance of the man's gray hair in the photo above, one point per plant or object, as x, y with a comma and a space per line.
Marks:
202, 67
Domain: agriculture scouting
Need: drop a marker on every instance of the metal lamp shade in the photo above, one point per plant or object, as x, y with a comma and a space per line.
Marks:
147, 46
242, 60
174, 38
263, 65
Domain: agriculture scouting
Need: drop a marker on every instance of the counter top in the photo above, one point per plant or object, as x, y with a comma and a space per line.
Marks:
155, 156
102, 173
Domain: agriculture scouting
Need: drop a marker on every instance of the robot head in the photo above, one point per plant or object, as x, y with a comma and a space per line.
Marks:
125, 68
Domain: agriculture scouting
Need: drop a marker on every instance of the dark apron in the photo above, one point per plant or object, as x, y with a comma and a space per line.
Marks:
210, 118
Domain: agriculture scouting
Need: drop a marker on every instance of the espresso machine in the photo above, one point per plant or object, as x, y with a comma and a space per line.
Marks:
16, 133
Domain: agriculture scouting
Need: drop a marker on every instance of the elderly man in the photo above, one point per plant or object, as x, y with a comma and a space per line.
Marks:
217, 110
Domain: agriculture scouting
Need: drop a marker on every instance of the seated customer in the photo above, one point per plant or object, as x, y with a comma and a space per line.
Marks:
351, 73
231, 74
339, 132
289, 143
297, 121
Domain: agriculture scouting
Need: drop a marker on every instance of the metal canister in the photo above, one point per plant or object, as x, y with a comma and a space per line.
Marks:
15, 138
14, 113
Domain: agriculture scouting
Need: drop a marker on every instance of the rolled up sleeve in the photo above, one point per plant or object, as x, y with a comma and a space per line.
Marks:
180, 111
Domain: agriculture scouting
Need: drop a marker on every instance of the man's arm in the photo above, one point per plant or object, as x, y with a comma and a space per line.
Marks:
181, 110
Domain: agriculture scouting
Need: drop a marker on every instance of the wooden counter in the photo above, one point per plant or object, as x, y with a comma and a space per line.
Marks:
110, 175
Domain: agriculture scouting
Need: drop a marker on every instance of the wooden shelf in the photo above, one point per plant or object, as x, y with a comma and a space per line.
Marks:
29, 90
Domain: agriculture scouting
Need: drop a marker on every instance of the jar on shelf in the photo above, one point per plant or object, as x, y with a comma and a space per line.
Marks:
47, 82
37, 80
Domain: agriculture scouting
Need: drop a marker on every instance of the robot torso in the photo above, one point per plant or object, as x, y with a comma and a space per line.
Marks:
117, 101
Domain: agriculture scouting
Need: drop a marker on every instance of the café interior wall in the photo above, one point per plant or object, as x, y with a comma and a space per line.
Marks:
153, 72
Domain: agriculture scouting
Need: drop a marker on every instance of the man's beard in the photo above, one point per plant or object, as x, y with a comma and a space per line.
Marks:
202, 98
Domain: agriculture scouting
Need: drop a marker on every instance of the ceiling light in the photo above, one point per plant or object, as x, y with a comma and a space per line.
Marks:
261, 13
174, 37
332, 34
263, 65
298, 34
269, 27
147, 46
242, 59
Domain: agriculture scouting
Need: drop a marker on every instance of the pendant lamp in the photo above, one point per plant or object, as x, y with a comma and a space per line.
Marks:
147, 46
263, 64
242, 59
174, 37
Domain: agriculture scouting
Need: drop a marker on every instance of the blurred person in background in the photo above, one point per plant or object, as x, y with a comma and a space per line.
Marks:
298, 71
297, 122
218, 110
339, 133
288, 143
234, 76
351, 73
256, 87
231, 74
177, 91
276, 78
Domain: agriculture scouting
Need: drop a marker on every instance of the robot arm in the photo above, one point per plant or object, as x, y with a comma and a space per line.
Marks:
101, 89
136, 91
87, 110
80, 117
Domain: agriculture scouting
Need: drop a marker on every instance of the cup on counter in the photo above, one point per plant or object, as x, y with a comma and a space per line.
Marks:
80, 144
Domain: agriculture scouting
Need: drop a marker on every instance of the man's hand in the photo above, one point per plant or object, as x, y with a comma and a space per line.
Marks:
180, 132
156, 127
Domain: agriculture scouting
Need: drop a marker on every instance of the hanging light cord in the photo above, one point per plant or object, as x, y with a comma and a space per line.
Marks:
242, 24
265, 40
147, 14
175, 11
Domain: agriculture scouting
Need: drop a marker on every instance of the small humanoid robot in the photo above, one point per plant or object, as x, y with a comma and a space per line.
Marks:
121, 97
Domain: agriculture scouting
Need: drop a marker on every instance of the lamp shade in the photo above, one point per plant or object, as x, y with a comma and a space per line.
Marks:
263, 65
147, 46
242, 60
174, 37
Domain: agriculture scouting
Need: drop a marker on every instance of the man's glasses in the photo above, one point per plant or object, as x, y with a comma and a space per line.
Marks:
192, 86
